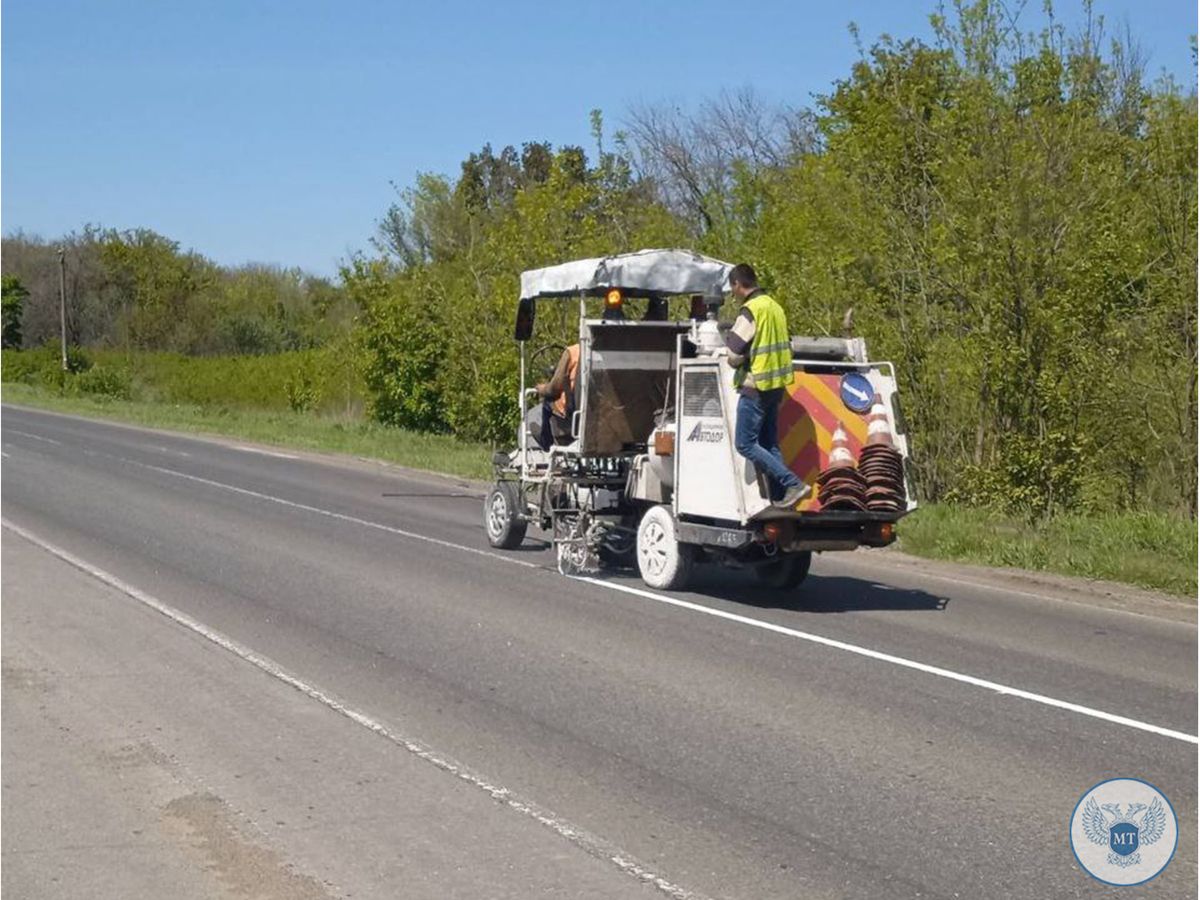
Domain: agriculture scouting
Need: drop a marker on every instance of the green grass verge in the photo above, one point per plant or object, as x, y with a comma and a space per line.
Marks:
306, 431
321, 380
1143, 549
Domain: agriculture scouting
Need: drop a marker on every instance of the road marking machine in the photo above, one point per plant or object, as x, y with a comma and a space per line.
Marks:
643, 470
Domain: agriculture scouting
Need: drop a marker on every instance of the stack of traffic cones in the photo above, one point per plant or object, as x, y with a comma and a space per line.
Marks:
841, 484
881, 465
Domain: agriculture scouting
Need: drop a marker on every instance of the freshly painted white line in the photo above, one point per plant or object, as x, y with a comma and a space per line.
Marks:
366, 523
262, 452
902, 661
36, 437
591, 844
880, 656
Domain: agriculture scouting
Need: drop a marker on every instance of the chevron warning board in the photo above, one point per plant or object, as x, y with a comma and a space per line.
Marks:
808, 416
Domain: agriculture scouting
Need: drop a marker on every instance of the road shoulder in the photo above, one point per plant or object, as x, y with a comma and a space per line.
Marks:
125, 734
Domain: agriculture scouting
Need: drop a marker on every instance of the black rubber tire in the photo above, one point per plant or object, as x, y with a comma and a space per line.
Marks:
502, 517
785, 573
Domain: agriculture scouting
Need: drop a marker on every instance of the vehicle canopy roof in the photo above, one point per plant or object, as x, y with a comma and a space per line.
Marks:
645, 273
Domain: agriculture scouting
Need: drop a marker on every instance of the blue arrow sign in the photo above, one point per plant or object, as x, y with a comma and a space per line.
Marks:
857, 392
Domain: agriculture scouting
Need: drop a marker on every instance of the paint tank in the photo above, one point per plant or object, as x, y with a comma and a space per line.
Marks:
663, 465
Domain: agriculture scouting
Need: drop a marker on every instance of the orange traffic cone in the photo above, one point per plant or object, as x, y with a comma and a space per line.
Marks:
879, 430
840, 485
839, 454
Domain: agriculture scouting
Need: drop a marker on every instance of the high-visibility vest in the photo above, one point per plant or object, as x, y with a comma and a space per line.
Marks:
769, 361
560, 404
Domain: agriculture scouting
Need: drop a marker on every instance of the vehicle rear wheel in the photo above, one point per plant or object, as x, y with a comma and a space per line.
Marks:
503, 517
663, 561
786, 572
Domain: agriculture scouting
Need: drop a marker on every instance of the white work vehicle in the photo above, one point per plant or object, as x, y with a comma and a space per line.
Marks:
645, 471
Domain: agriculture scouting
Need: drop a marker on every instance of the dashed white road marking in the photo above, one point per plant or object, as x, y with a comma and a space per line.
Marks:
366, 523
35, 437
591, 844
262, 452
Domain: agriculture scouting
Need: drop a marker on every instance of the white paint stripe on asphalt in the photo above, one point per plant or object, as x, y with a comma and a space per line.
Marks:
586, 841
867, 652
366, 523
36, 437
1004, 689
262, 452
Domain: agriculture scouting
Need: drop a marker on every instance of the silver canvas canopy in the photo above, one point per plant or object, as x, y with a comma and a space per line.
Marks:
646, 272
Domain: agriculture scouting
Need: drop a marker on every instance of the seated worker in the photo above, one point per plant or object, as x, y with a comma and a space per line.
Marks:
558, 400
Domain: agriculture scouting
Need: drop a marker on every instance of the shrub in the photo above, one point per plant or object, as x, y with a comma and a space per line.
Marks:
106, 382
43, 366
18, 365
301, 390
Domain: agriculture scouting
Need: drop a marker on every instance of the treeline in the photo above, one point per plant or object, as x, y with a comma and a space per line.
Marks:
1011, 215
137, 290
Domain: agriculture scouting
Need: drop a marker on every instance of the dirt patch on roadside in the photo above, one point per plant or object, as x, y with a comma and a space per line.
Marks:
243, 868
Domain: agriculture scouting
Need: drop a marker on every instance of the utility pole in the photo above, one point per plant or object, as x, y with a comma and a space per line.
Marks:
62, 301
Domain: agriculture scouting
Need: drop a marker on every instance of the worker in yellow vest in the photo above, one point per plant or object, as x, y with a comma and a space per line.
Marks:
760, 350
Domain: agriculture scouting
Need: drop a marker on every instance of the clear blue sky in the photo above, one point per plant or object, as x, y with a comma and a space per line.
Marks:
269, 131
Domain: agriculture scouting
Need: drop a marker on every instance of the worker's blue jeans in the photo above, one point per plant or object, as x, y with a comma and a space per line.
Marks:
757, 439
537, 424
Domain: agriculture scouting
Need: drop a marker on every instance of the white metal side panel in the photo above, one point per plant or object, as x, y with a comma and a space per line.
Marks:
708, 468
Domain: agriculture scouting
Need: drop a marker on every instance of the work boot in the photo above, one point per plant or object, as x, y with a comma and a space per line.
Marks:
792, 496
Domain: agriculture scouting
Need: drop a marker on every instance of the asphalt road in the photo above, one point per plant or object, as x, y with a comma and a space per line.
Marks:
398, 711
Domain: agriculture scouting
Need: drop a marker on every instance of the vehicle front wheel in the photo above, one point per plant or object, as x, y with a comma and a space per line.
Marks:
503, 517
663, 561
786, 572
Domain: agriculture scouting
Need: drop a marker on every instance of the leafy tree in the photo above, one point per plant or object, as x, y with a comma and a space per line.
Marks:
12, 302
139, 291
437, 310
999, 211
401, 347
